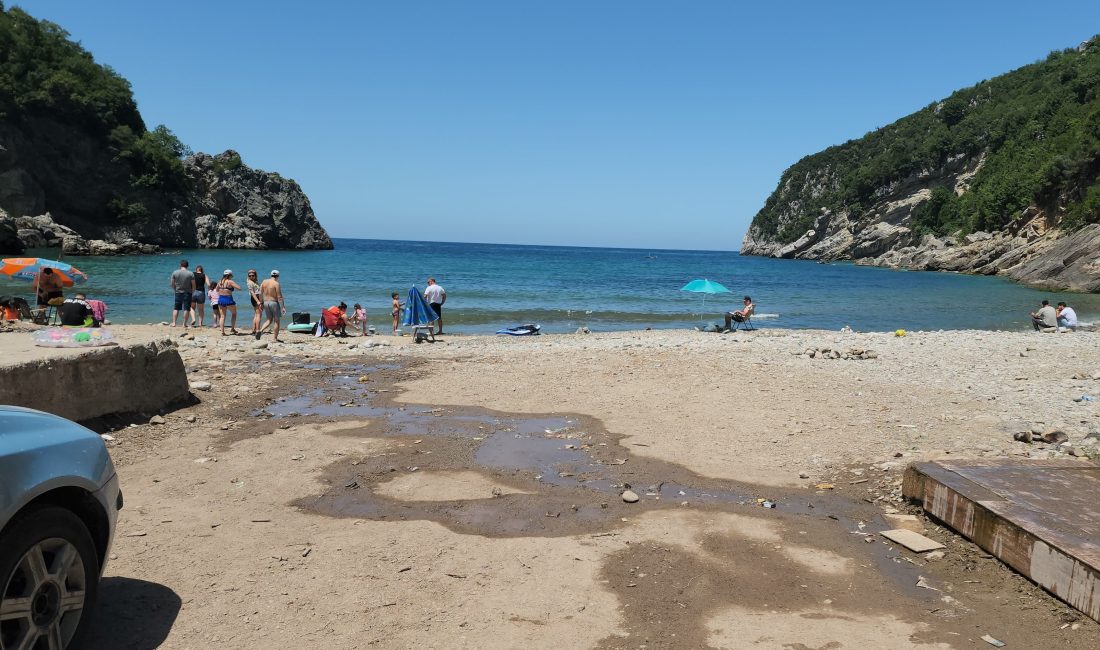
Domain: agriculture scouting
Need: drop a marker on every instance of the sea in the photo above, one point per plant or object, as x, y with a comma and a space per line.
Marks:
563, 288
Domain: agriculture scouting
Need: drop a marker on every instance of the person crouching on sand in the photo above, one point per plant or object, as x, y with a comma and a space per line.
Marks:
335, 319
1067, 318
1045, 318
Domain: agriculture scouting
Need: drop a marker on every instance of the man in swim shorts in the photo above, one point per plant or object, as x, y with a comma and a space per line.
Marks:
183, 285
273, 305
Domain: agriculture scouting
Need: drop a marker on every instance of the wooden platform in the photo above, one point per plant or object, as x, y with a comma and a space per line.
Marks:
1041, 517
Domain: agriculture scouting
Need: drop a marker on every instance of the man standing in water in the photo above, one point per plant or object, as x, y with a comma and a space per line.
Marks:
436, 296
183, 285
273, 305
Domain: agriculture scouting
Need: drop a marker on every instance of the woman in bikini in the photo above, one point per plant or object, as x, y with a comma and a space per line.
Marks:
256, 298
225, 289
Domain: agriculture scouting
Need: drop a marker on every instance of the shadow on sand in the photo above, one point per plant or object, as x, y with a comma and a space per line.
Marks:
132, 613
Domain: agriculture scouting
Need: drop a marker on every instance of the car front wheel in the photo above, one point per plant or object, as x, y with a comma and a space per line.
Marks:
49, 576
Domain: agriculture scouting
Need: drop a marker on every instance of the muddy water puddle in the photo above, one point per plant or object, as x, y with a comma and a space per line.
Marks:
492, 474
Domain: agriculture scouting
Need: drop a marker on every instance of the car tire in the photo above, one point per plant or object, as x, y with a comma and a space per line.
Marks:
49, 578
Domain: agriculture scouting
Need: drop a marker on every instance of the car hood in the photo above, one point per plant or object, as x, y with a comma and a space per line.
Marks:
40, 452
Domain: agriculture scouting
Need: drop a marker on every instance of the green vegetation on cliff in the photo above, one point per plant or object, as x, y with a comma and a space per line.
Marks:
1038, 128
51, 88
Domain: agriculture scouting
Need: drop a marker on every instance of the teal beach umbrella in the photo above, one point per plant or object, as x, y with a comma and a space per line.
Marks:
705, 287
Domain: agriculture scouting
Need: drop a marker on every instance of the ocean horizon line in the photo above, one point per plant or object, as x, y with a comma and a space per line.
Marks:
514, 245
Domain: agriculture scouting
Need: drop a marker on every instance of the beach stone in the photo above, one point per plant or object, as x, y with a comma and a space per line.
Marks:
201, 385
156, 419
1054, 436
630, 496
259, 345
190, 418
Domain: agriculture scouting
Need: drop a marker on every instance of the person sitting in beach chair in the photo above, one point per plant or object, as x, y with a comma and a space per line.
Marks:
335, 320
742, 317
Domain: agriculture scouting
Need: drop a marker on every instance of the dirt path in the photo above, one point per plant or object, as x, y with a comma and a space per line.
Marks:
363, 513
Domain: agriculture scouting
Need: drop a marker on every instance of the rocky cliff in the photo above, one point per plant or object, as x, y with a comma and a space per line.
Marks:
75, 151
1001, 178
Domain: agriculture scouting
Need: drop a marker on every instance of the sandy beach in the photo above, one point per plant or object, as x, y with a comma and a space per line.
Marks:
369, 492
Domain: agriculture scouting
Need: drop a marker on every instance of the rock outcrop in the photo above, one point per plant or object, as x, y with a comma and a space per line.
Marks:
1030, 249
74, 145
235, 206
1002, 177
17, 234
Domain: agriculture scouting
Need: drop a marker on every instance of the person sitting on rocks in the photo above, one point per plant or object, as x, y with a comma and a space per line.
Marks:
1067, 318
1045, 318
741, 315
76, 312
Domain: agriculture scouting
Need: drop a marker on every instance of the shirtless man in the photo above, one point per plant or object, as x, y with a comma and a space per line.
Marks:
49, 287
273, 305
741, 314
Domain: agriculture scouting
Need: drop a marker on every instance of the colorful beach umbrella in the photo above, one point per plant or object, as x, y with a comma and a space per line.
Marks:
705, 287
27, 268
417, 312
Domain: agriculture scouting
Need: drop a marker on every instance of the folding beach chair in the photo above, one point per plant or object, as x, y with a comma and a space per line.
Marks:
742, 322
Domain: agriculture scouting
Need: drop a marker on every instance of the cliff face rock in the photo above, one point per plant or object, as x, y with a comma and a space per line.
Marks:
1030, 249
999, 178
236, 206
73, 145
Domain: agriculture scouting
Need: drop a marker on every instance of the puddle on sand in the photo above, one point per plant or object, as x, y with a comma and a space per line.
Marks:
562, 451
570, 473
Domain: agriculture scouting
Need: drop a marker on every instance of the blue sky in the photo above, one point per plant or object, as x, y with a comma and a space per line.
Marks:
602, 123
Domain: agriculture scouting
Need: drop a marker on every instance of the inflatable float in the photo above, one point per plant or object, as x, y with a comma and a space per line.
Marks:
64, 337
301, 328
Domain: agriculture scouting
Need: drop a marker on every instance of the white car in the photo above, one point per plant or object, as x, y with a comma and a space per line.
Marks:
59, 501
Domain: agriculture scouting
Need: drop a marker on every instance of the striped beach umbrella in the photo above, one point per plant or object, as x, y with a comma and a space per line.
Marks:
27, 268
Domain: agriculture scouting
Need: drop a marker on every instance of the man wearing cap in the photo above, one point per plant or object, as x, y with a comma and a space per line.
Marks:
273, 305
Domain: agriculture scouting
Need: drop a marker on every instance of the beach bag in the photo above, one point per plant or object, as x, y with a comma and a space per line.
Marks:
300, 318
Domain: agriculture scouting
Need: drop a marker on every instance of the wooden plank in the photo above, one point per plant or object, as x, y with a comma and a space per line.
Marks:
913, 541
1039, 517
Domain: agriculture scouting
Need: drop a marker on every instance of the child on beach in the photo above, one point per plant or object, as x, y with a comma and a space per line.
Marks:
396, 310
214, 305
359, 318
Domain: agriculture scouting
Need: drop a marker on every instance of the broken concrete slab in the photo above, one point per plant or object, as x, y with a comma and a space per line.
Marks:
913, 541
88, 383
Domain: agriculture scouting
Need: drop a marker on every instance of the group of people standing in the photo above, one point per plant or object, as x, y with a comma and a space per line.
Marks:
193, 289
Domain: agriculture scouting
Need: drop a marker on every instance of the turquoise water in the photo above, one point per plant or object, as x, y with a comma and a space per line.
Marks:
490, 286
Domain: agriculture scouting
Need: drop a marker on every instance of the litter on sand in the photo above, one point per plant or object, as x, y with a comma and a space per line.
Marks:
913, 541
